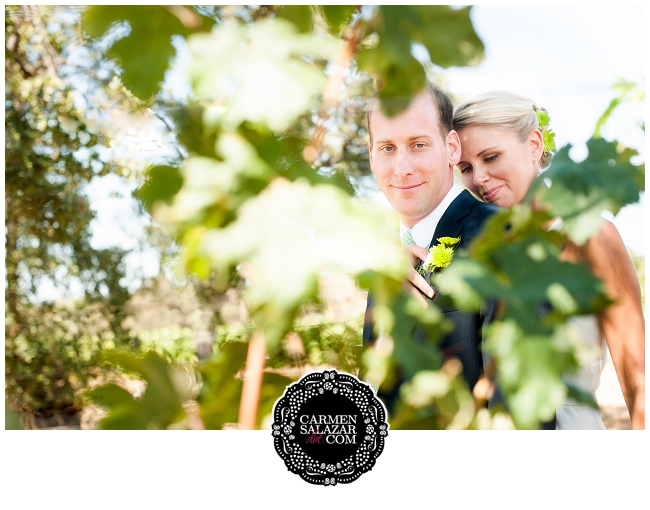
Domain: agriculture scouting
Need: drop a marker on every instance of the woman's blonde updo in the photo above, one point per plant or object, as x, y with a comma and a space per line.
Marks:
504, 109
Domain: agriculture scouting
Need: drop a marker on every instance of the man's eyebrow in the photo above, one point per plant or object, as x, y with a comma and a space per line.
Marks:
409, 138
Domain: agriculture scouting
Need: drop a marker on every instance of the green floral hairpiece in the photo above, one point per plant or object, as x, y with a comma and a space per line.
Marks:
548, 136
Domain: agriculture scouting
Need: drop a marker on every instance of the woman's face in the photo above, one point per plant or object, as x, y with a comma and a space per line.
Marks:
496, 165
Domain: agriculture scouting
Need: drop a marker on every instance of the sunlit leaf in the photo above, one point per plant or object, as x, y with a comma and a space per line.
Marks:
261, 76
337, 15
530, 371
321, 228
273, 387
162, 184
221, 391
299, 15
523, 269
580, 192
191, 132
12, 419
145, 53
629, 91
159, 406
446, 33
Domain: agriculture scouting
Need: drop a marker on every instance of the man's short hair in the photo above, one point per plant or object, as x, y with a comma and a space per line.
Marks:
443, 104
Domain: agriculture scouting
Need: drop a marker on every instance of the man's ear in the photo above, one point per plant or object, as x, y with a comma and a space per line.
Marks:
453, 147
536, 141
370, 156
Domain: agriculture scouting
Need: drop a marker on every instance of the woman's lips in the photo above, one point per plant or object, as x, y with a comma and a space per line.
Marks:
490, 195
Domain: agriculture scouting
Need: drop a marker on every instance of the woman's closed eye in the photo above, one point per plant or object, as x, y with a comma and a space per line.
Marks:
491, 158
465, 169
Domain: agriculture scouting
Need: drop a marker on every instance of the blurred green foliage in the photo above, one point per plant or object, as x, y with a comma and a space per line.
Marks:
606, 180
337, 344
173, 343
12, 419
159, 407
145, 68
447, 33
54, 357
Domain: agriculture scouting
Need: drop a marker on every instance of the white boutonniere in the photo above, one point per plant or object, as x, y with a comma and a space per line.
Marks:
440, 255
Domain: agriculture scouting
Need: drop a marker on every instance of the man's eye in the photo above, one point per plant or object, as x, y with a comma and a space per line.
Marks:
419, 145
387, 148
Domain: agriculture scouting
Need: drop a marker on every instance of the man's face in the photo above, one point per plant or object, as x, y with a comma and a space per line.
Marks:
413, 163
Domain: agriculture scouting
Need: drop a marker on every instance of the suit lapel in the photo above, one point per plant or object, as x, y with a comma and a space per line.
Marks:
449, 225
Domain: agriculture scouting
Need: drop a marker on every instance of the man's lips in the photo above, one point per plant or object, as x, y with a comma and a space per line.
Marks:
407, 187
491, 194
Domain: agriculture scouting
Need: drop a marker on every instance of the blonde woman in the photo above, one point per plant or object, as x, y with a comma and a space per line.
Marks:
502, 151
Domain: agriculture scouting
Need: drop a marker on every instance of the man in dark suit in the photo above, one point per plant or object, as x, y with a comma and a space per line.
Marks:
412, 156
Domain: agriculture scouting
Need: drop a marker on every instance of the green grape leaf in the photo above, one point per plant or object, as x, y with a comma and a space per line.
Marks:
162, 183
446, 33
516, 261
214, 189
524, 273
580, 192
581, 396
262, 76
299, 15
629, 91
109, 395
188, 124
322, 228
412, 355
158, 408
220, 394
145, 53
12, 419
284, 154
530, 369
337, 15
273, 387
435, 399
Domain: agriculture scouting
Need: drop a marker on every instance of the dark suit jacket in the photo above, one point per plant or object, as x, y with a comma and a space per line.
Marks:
464, 217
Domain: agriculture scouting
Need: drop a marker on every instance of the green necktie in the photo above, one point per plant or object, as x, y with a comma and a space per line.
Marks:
407, 238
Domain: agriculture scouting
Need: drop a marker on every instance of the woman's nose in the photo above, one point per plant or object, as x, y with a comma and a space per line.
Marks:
479, 176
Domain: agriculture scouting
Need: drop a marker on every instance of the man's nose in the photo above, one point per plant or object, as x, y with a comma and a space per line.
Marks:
404, 166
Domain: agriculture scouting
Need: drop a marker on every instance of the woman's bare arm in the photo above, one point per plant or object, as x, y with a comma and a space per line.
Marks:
623, 322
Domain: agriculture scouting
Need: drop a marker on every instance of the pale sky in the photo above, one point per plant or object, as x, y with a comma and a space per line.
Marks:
566, 59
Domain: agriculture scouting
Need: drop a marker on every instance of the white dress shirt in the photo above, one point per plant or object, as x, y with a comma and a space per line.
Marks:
424, 229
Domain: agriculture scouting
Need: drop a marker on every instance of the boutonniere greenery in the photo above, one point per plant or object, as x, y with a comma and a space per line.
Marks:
440, 255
